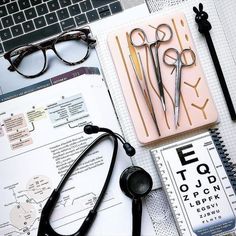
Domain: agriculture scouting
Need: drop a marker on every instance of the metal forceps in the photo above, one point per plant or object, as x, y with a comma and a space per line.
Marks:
145, 91
143, 42
172, 57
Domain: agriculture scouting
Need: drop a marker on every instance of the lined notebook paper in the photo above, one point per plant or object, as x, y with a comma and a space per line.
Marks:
143, 157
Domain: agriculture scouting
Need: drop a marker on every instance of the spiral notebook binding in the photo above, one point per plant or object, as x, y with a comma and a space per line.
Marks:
224, 156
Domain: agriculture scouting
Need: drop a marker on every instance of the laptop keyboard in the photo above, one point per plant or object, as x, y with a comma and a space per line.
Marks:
26, 21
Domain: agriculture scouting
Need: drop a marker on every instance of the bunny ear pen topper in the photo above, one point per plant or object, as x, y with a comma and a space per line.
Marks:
201, 18
204, 27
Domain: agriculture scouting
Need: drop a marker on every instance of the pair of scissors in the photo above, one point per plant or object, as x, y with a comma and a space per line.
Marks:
172, 57
142, 41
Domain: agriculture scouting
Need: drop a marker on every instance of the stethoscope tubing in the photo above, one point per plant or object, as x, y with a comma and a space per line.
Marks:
50, 204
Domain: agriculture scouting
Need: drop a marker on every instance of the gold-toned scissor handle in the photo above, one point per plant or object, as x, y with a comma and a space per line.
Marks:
166, 31
138, 32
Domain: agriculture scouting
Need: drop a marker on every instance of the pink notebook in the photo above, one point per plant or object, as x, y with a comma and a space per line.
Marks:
197, 108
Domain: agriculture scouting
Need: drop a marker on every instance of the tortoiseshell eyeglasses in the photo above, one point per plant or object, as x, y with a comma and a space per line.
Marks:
72, 47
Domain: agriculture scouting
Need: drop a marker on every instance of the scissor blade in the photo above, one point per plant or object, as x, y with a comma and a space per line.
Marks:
163, 103
159, 78
176, 116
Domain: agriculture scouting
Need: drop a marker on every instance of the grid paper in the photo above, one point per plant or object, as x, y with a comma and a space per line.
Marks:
142, 158
226, 11
219, 37
157, 5
162, 219
227, 127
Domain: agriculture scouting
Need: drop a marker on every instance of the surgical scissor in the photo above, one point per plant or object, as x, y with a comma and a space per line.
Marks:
172, 57
143, 42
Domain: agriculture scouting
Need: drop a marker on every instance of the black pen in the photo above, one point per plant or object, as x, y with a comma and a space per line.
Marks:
204, 27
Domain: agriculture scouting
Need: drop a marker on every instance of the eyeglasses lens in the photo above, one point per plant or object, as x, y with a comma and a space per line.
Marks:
72, 46
28, 60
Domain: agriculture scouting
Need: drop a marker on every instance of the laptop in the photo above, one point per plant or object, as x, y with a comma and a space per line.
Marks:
31, 21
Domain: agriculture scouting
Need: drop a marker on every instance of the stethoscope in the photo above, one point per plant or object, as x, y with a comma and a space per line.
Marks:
135, 182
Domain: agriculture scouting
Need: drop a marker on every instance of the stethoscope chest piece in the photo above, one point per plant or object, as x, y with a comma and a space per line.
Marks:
135, 182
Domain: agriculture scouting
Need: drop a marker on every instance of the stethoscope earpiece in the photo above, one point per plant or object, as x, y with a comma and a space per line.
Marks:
93, 129
136, 183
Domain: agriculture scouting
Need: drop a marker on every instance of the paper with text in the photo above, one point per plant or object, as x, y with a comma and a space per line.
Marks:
41, 134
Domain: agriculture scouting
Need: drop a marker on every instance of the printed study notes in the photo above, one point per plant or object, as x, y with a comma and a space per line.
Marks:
41, 133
